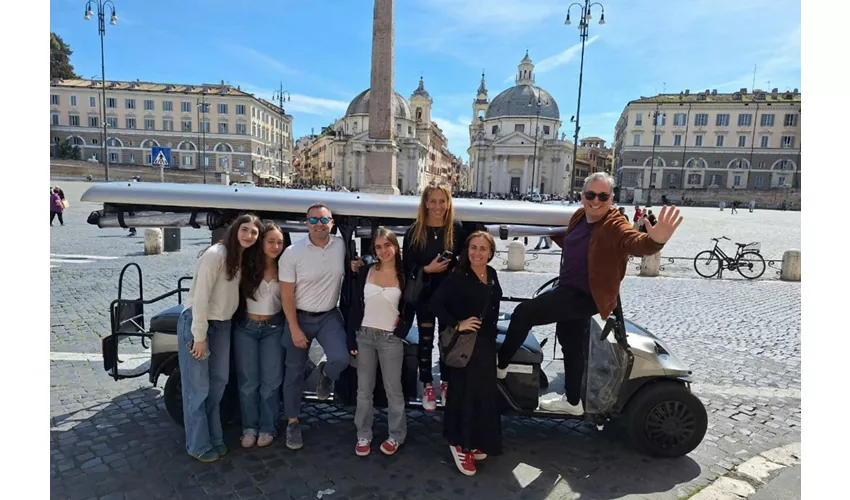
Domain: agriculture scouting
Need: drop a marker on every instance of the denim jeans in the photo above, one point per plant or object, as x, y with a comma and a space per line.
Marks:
373, 347
259, 368
329, 330
203, 383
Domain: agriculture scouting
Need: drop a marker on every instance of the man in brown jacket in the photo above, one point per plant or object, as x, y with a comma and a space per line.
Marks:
594, 255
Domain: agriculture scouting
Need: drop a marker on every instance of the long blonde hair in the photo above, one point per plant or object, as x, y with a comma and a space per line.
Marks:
420, 224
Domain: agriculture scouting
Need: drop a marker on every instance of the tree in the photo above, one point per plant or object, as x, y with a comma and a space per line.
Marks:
60, 58
67, 151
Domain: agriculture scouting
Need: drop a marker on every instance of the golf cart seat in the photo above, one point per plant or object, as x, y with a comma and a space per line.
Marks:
529, 354
166, 321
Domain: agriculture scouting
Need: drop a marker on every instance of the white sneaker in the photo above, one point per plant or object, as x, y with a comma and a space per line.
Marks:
559, 404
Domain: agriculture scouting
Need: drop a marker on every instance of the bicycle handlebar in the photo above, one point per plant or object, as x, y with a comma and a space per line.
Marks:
721, 238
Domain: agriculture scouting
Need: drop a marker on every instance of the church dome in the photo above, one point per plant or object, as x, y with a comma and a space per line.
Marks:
360, 106
521, 100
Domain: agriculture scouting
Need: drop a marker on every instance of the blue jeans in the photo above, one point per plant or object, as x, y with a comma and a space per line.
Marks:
203, 384
259, 367
376, 347
329, 330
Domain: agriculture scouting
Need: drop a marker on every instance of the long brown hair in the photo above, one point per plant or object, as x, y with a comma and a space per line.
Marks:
231, 244
393, 239
254, 261
420, 224
463, 263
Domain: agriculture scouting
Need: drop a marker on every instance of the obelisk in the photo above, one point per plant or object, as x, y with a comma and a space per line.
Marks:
381, 153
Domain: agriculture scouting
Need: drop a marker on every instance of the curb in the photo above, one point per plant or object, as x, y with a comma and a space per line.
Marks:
746, 478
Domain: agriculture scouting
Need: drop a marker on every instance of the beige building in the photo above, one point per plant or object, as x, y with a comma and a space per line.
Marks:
515, 137
709, 140
337, 156
218, 126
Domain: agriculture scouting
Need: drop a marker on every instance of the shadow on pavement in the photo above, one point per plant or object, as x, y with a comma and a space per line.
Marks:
129, 446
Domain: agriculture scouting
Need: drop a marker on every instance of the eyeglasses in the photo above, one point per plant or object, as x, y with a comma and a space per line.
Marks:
316, 220
590, 195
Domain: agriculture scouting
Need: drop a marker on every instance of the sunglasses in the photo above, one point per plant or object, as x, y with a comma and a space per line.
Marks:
316, 220
590, 195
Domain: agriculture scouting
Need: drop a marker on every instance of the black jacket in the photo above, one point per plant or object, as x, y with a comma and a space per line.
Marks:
358, 306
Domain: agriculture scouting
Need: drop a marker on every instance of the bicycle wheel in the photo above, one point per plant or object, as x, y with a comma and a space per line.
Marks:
751, 265
706, 264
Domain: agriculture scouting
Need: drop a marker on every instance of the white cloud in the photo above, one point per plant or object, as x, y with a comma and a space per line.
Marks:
301, 103
558, 59
258, 57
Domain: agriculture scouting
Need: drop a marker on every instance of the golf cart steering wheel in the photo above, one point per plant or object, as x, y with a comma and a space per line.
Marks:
552, 283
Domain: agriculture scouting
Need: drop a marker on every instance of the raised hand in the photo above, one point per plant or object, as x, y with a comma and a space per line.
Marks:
668, 221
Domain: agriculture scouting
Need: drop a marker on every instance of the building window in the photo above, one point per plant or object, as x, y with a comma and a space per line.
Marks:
638, 119
222, 163
636, 140
764, 141
242, 128
788, 140
701, 119
222, 109
205, 126
759, 181
54, 99
767, 120
129, 104
111, 102
679, 119
634, 161
698, 139
545, 129
736, 180
73, 100
722, 120
113, 157
92, 101
677, 140
54, 118
657, 140
167, 106
94, 121
673, 178
112, 122
784, 165
222, 127
519, 127
148, 104
761, 164
186, 126
398, 128
742, 141
205, 107
185, 107
148, 159
131, 122
187, 161
74, 120
720, 140
715, 179
131, 158
410, 131
168, 125
694, 178
240, 109
149, 124
791, 120
745, 119
659, 119
206, 161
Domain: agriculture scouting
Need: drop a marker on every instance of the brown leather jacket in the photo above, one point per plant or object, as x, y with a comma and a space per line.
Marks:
612, 241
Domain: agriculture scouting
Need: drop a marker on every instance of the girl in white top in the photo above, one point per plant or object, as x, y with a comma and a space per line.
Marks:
203, 333
374, 315
258, 351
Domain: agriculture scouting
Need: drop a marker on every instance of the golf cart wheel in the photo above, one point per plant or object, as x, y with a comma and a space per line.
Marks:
665, 419
706, 264
173, 396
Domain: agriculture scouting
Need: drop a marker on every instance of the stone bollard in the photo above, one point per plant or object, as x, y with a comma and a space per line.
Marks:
650, 264
153, 241
791, 266
516, 256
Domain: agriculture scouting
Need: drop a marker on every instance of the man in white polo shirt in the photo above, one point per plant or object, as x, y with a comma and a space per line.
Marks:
310, 276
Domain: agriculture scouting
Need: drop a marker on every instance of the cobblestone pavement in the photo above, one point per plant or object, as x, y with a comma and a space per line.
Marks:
114, 440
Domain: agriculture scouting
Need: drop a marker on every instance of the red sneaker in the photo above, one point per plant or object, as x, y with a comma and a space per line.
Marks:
444, 391
465, 461
478, 454
363, 448
390, 446
429, 398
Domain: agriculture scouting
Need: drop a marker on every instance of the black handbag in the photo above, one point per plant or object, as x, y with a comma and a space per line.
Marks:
455, 346
413, 286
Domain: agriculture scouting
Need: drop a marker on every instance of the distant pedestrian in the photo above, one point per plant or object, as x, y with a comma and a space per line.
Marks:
752, 205
735, 206
543, 243
56, 207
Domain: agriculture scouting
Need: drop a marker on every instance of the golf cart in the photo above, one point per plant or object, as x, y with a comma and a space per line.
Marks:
631, 376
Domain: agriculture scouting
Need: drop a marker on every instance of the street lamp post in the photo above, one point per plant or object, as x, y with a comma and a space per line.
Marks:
539, 101
582, 27
101, 29
201, 103
281, 96
655, 115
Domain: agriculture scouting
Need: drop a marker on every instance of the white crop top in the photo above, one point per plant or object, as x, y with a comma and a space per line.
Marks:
266, 300
381, 309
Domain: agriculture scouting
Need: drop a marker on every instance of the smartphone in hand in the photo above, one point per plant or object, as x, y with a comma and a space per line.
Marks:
191, 345
446, 255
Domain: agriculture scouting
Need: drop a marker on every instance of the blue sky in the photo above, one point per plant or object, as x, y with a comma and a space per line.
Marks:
321, 50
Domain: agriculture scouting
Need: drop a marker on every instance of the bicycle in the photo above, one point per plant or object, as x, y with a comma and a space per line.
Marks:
747, 261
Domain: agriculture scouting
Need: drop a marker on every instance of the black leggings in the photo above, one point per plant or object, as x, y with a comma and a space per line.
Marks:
54, 214
426, 345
